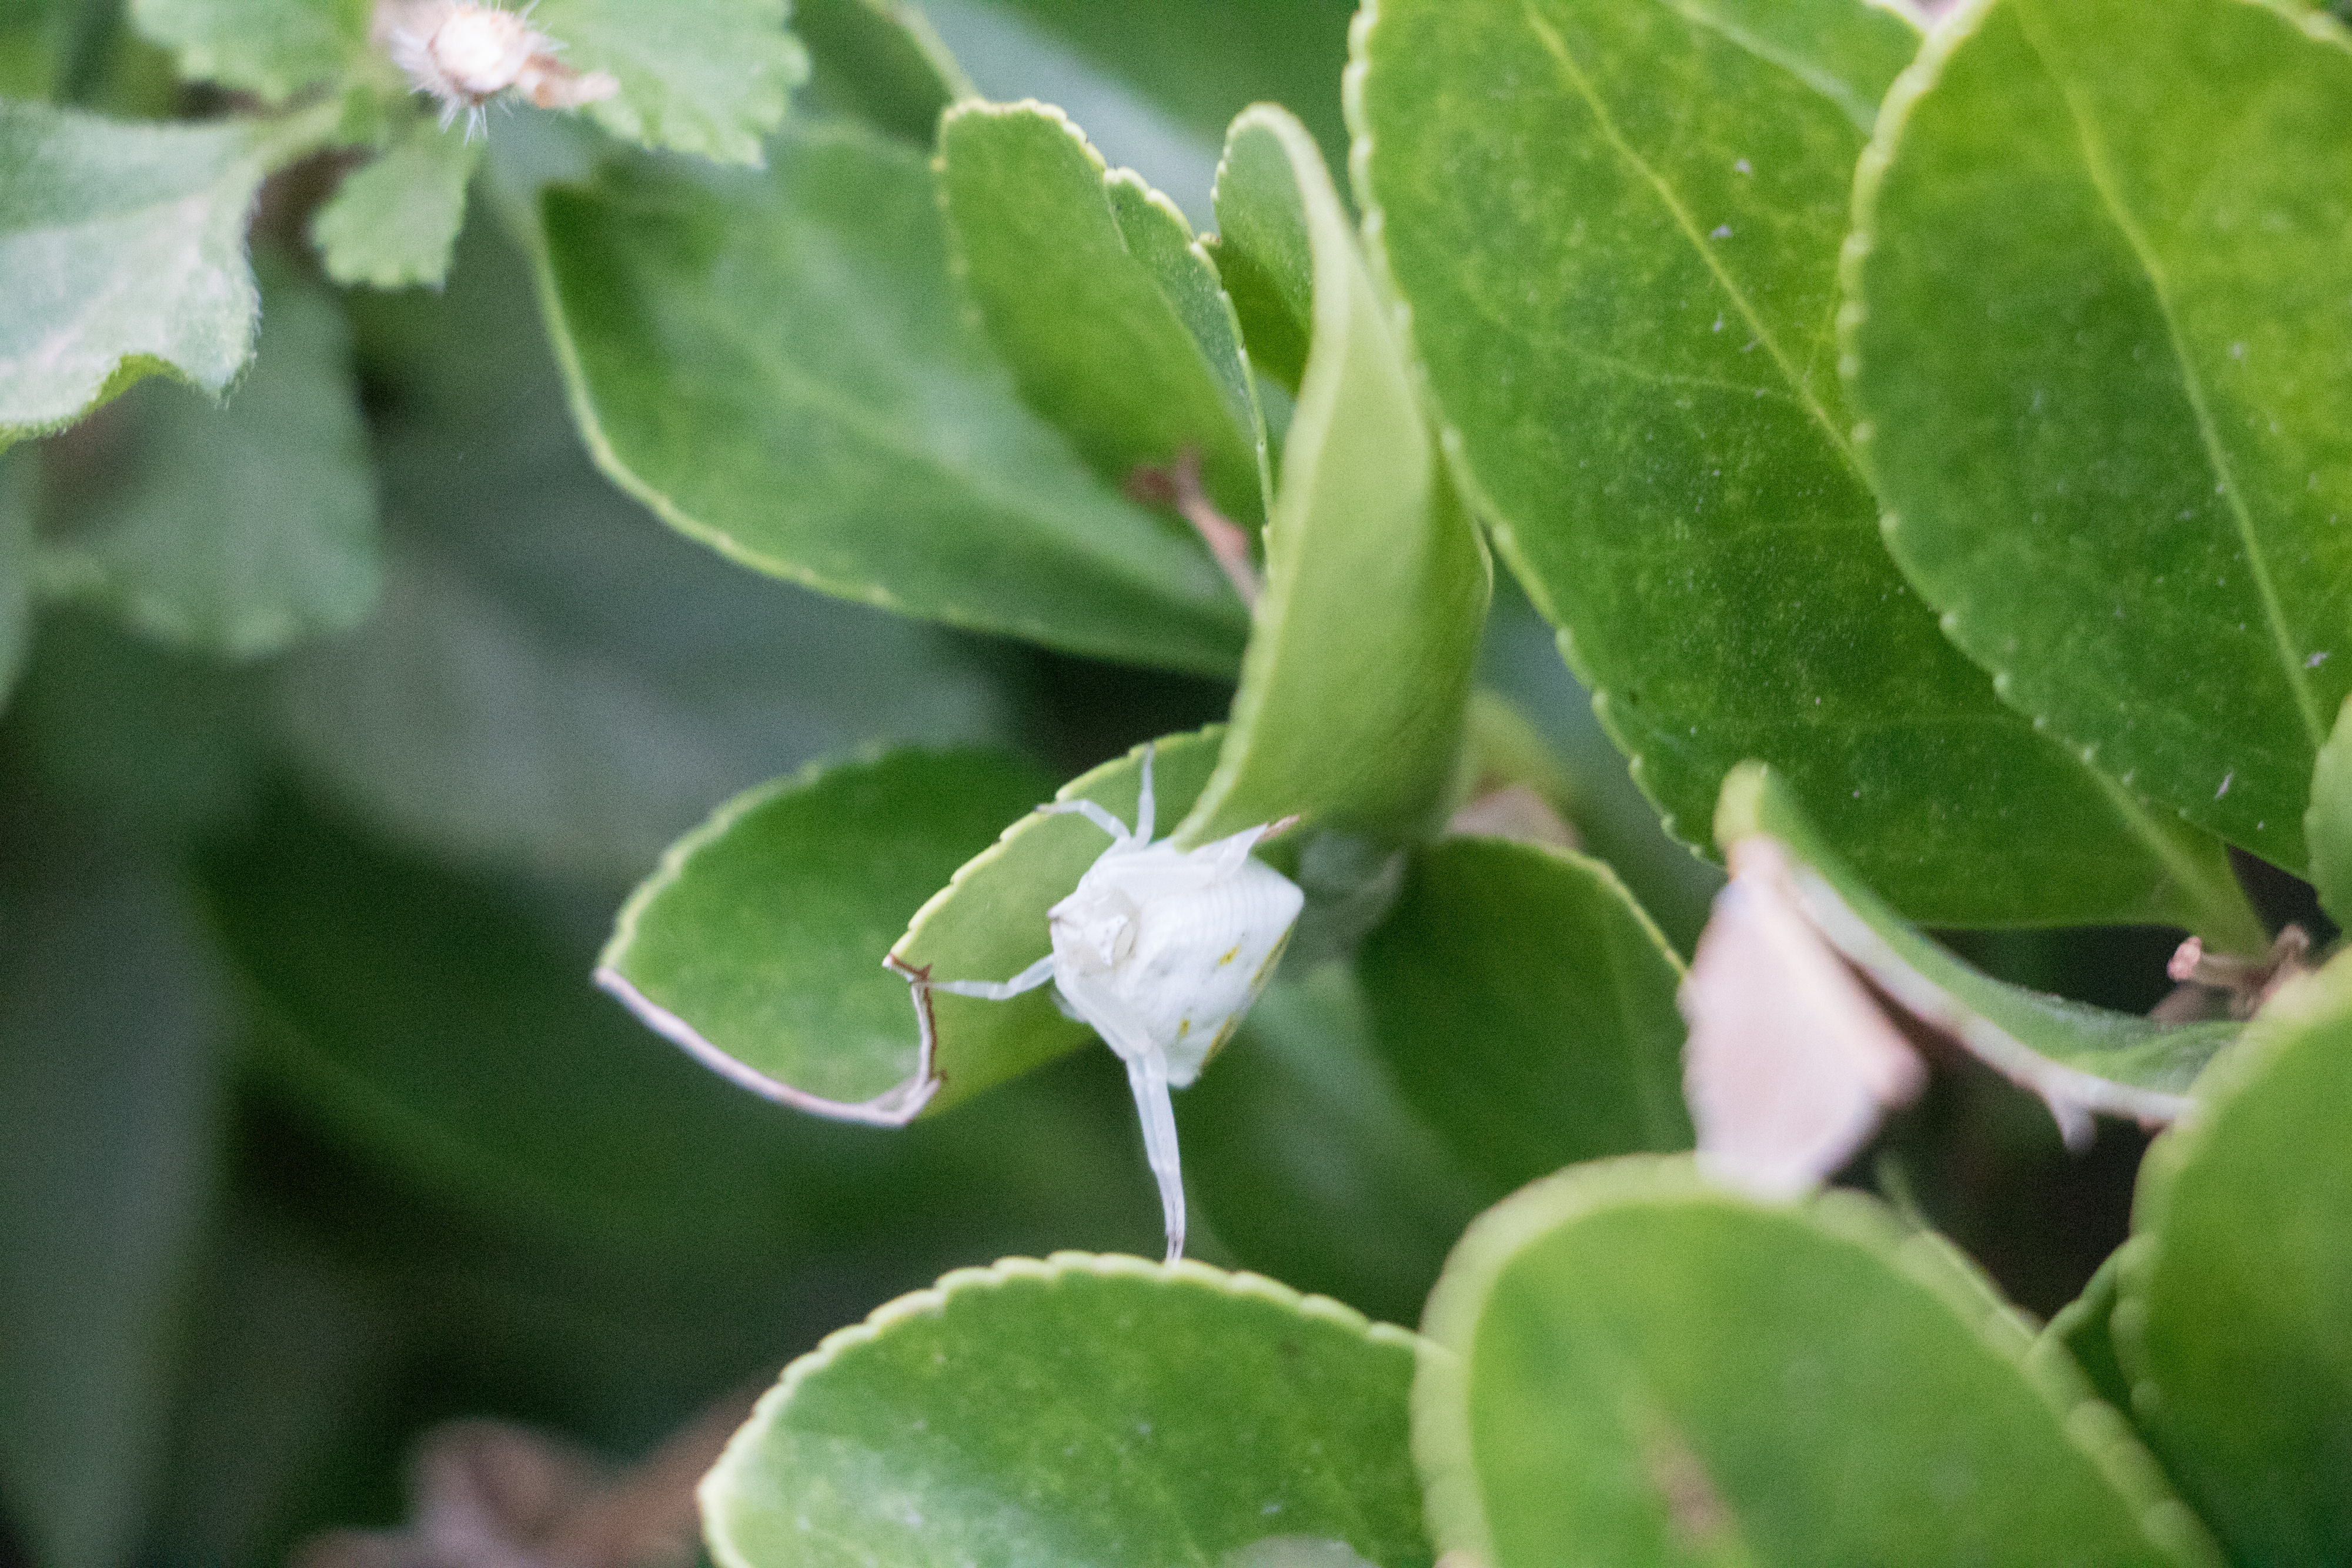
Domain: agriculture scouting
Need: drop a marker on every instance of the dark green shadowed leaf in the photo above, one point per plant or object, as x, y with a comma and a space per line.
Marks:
1637, 1368
113, 1030
441, 1027
2328, 824
758, 945
15, 571
1616, 226
865, 442
879, 60
1308, 1163
125, 245
551, 684
1078, 276
1354, 686
1202, 61
393, 220
1525, 1007
273, 48
1085, 1409
2078, 1057
2237, 1289
710, 78
988, 924
2100, 330
233, 531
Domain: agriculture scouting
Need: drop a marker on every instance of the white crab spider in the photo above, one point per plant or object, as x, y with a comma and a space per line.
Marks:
1162, 950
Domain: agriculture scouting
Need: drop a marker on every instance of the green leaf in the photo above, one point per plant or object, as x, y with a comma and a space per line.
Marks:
1092, 289
2239, 1282
864, 442
112, 1024
1525, 1007
710, 78
1358, 672
1203, 61
1309, 1165
234, 530
16, 573
551, 684
758, 945
441, 1027
1614, 820
393, 220
2078, 1057
126, 244
273, 48
1622, 273
2100, 353
1265, 255
879, 60
1647, 1369
1083, 1409
2082, 1334
2328, 823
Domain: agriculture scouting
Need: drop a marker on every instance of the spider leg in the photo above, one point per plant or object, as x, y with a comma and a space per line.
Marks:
1143, 801
1028, 979
1147, 1074
1092, 813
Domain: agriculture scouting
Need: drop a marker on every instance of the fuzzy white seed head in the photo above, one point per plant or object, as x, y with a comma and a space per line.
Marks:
481, 52
466, 54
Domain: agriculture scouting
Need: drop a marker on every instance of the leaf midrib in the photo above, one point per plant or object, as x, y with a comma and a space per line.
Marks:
1575, 79
2098, 168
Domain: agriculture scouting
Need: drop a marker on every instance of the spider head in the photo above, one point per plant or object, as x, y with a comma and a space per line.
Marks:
1094, 929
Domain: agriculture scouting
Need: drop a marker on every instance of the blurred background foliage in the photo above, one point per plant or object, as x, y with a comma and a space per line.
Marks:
313, 1132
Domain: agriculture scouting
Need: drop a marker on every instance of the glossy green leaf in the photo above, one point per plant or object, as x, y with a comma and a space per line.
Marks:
273, 48
551, 682
880, 60
2328, 823
758, 945
393, 220
1525, 1007
710, 78
988, 924
1617, 227
1353, 688
2236, 1291
1090, 288
1310, 1165
1645, 1369
2078, 1057
235, 530
864, 443
112, 1025
126, 248
2100, 352
1084, 1409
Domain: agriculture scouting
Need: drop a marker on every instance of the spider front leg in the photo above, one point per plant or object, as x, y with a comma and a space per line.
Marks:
1147, 1074
1101, 818
1028, 979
